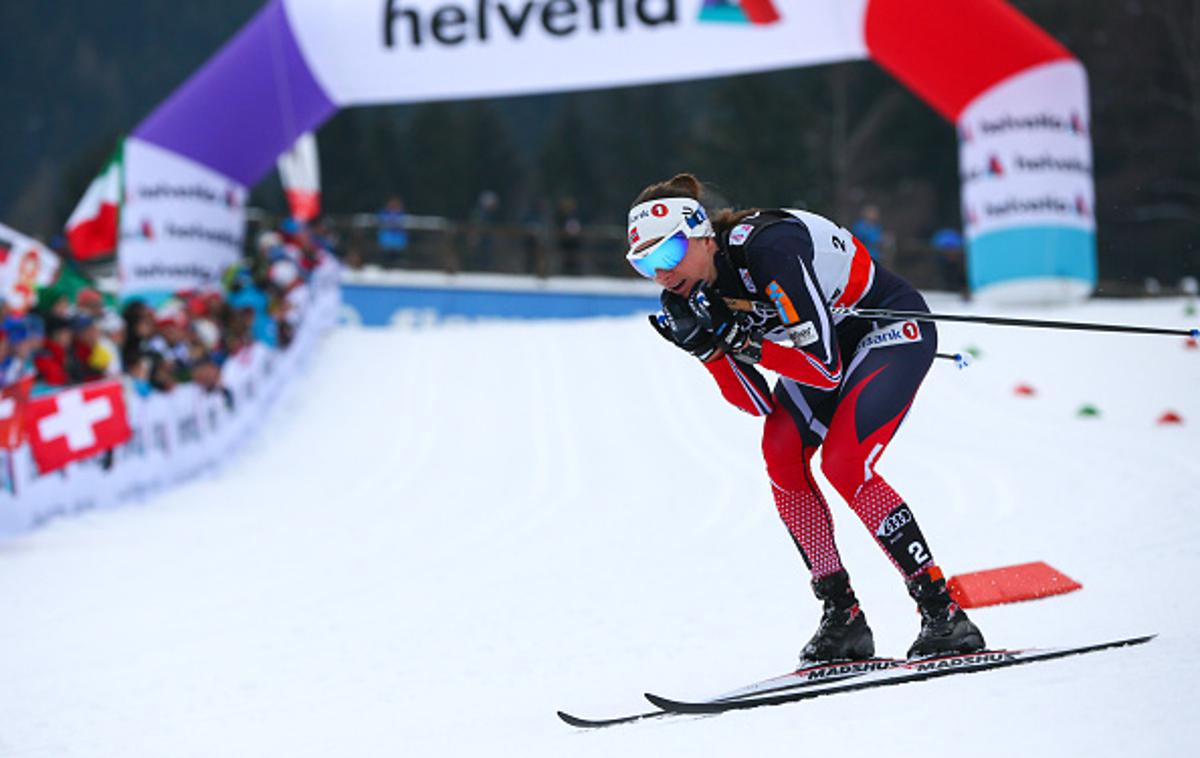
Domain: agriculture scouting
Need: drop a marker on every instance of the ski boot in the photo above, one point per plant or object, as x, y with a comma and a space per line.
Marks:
843, 634
945, 628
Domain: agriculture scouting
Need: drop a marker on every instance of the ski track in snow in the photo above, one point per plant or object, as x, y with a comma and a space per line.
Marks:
448, 533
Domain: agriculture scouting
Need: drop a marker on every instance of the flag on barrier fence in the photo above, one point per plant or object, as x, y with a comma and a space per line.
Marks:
76, 423
13, 400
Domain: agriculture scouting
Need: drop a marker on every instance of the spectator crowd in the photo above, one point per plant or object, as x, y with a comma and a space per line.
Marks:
77, 334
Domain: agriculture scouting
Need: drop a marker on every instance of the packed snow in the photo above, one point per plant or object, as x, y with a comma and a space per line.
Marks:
448, 533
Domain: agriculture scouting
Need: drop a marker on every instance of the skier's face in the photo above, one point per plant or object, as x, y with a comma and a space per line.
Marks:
697, 265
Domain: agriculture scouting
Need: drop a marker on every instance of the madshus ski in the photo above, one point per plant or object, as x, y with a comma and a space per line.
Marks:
829, 679
808, 676
909, 671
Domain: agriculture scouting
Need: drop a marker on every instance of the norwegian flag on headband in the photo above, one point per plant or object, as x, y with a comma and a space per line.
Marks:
76, 423
13, 400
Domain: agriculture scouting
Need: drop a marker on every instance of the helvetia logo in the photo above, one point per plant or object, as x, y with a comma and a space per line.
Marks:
757, 12
480, 21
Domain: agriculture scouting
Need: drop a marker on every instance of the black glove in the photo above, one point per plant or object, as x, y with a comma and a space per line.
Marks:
679, 324
733, 331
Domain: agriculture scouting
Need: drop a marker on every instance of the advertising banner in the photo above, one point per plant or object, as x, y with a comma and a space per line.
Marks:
181, 225
409, 50
1027, 193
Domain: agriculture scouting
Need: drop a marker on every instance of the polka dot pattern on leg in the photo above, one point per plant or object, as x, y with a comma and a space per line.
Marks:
806, 515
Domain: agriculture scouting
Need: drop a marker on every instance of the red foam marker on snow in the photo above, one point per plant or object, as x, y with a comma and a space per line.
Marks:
1024, 390
1191, 344
1009, 584
1170, 417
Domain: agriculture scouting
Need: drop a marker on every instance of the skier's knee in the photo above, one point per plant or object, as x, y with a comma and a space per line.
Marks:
844, 472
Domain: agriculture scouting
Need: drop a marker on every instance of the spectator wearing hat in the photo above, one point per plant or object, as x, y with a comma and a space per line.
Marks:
249, 299
139, 328
162, 372
90, 302
51, 360
138, 373
206, 373
171, 338
22, 338
107, 355
82, 366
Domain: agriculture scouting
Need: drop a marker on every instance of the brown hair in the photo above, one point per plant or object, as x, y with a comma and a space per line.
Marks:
687, 185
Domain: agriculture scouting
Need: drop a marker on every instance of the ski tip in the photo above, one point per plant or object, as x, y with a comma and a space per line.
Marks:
583, 723
658, 701
1195, 334
654, 699
575, 721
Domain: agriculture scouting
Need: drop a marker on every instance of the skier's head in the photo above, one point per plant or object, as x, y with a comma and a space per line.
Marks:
670, 237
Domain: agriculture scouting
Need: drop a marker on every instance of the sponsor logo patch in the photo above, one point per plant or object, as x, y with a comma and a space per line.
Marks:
747, 280
895, 521
740, 233
901, 333
783, 303
803, 334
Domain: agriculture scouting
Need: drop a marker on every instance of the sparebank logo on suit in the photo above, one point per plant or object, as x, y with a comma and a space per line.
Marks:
406, 26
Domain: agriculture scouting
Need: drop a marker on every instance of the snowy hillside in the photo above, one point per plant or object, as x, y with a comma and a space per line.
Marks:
446, 534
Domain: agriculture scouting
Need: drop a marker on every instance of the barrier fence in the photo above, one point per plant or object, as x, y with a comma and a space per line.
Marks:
176, 436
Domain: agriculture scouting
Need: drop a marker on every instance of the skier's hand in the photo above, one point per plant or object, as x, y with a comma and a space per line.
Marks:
733, 331
679, 324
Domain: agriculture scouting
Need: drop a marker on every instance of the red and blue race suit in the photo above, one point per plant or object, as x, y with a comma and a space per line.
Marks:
845, 383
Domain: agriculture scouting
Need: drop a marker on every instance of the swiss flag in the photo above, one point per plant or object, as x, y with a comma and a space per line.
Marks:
12, 413
76, 423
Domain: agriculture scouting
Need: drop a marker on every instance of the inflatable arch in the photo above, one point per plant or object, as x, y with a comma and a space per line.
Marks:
1017, 97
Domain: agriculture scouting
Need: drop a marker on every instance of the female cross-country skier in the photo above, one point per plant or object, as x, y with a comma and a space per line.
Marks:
760, 288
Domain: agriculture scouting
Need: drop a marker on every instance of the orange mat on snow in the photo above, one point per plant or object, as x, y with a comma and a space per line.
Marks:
1009, 584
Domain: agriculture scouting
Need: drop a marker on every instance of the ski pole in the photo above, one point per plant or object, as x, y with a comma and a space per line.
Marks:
962, 360
1006, 321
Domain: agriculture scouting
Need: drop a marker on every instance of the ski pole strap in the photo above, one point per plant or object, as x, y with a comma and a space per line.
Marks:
1007, 321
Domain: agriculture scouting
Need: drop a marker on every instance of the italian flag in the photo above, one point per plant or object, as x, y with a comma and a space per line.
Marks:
300, 173
92, 227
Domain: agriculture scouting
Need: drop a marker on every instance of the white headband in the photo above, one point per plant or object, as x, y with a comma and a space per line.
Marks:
655, 219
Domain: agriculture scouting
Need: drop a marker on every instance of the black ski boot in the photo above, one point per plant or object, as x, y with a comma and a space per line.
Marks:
843, 634
945, 628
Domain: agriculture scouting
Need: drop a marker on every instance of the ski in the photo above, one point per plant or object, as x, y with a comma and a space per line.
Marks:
824, 673
583, 723
902, 673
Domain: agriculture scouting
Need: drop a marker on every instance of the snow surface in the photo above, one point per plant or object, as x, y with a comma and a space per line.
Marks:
447, 534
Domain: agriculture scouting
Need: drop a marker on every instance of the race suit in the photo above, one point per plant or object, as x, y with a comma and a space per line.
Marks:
845, 383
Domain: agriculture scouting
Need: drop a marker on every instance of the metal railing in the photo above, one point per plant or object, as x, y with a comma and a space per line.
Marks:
435, 243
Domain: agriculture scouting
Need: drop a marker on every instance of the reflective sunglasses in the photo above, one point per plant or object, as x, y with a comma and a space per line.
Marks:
668, 252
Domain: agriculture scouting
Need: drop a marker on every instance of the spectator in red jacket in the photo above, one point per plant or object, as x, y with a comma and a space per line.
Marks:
51, 360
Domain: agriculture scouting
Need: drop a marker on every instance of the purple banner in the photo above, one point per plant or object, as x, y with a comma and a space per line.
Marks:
247, 105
